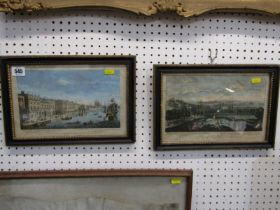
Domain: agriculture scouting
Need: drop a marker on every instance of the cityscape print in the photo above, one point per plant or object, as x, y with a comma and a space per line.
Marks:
214, 104
56, 99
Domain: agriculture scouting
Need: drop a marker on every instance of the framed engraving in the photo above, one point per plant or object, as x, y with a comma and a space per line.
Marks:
215, 106
68, 100
97, 189
184, 8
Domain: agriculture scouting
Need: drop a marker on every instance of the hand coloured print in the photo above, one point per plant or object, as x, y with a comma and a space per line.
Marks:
58, 100
224, 106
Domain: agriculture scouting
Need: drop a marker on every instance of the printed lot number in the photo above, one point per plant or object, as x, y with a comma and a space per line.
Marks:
18, 71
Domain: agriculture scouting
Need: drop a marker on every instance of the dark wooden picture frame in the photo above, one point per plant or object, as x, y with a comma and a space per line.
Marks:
34, 177
125, 106
178, 137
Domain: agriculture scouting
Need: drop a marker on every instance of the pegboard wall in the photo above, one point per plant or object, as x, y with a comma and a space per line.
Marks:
223, 179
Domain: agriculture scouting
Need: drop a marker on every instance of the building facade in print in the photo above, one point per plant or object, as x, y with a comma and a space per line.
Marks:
67, 108
35, 109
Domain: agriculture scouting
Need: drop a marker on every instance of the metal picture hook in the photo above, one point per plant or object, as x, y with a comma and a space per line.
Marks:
210, 55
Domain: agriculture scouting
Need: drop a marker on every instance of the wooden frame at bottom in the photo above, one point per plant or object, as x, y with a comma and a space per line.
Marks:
175, 177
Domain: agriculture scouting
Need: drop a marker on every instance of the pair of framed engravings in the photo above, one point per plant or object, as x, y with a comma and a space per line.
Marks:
70, 100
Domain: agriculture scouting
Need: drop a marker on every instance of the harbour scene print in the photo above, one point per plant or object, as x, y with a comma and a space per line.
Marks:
60, 99
215, 103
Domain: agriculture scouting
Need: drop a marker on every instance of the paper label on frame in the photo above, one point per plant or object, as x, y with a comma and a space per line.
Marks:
256, 80
18, 71
176, 181
109, 71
